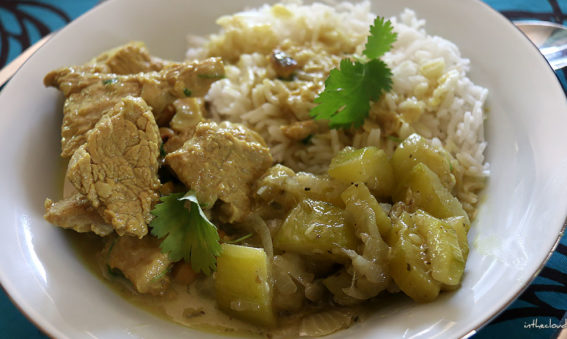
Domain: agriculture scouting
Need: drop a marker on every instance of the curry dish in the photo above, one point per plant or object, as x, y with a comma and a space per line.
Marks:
203, 214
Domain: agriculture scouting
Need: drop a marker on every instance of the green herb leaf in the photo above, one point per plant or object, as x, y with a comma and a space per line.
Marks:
380, 39
242, 238
350, 88
394, 138
109, 81
348, 91
187, 92
187, 233
307, 139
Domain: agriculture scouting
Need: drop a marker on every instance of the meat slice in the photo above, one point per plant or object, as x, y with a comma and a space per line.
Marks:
77, 213
116, 168
130, 58
300, 130
141, 261
221, 161
89, 95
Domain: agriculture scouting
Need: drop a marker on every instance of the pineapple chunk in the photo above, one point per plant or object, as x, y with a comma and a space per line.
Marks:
426, 254
433, 69
443, 249
315, 227
358, 193
409, 266
369, 165
243, 284
425, 191
416, 149
461, 227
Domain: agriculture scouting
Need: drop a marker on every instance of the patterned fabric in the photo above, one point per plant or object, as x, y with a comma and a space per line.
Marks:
541, 310
537, 313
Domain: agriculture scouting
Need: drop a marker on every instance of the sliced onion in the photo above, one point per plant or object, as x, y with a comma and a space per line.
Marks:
259, 226
284, 284
293, 265
324, 323
314, 291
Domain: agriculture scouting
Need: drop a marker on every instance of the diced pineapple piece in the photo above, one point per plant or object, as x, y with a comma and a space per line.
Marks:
243, 284
416, 149
280, 186
427, 255
433, 69
461, 227
408, 261
369, 165
315, 227
358, 193
411, 109
425, 191
443, 249
288, 269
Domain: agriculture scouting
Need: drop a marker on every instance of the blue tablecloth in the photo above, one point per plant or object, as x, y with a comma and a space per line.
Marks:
538, 313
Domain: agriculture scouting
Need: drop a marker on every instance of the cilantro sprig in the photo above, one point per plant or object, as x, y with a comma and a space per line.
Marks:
187, 232
349, 89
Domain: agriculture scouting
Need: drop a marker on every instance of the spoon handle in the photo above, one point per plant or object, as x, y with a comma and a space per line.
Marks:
550, 38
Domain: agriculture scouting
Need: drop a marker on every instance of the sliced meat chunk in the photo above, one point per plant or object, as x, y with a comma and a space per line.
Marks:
116, 169
82, 110
90, 95
130, 58
221, 161
141, 261
300, 130
77, 213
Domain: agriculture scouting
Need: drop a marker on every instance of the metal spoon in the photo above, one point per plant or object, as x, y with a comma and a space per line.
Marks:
550, 38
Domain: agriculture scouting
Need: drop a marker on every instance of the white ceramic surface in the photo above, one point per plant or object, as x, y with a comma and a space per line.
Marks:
518, 224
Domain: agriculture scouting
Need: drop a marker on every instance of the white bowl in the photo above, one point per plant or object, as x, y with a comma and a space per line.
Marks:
518, 224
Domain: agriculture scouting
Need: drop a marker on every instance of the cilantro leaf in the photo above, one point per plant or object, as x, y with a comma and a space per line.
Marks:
348, 91
350, 88
187, 233
380, 39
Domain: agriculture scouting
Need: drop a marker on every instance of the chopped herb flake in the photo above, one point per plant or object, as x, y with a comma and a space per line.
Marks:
242, 238
307, 139
109, 81
394, 138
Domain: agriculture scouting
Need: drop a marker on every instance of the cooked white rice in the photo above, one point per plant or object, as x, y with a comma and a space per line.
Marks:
431, 95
